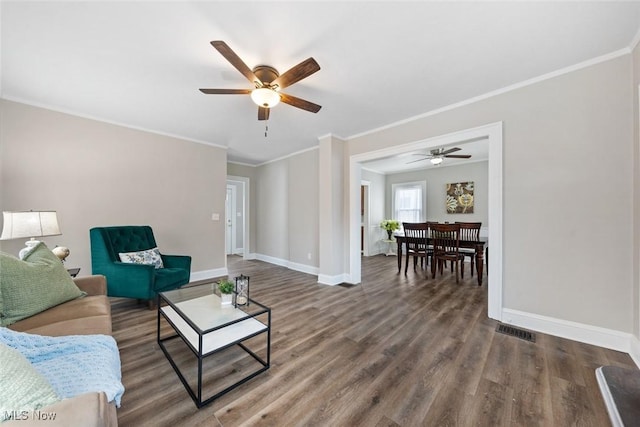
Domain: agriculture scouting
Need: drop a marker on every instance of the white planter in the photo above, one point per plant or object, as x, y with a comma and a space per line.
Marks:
226, 299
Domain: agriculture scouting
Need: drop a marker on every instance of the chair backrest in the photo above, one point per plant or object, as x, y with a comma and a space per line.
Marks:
126, 238
416, 235
446, 238
470, 231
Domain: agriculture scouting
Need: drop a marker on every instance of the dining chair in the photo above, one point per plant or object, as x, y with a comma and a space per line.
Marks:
446, 247
469, 231
416, 243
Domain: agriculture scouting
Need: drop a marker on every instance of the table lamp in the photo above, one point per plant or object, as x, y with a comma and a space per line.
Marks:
29, 224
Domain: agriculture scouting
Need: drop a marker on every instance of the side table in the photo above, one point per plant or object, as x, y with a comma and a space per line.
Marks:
390, 244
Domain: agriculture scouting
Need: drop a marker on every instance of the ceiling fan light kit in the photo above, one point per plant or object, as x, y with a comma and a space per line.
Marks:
264, 97
267, 82
437, 155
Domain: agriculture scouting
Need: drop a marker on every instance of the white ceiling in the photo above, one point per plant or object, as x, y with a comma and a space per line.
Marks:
141, 63
411, 160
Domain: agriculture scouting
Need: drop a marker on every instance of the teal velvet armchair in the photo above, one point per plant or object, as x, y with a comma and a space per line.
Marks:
133, 280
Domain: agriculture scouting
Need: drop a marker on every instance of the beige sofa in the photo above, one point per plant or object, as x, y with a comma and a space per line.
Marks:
88, 315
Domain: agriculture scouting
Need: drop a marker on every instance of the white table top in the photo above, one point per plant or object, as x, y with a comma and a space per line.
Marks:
205, 313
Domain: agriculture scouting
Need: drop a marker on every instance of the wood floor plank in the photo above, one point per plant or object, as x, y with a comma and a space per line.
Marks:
395, 351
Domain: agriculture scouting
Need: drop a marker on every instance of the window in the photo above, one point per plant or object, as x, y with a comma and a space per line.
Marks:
409, 201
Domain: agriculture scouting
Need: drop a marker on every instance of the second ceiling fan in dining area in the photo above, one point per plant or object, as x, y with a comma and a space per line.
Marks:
437, 155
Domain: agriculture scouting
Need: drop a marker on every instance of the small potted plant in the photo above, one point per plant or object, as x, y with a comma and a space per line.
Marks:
226, 291
390, 225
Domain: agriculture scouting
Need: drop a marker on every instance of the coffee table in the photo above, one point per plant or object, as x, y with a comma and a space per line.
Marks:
208, 328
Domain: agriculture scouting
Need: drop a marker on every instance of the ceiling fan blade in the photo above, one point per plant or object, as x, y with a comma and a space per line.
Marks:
263, 113
299, 103
450, 150
235, 60
226, 91
457, 156
297, 73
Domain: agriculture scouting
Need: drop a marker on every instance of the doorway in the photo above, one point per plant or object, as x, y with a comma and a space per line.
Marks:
365, 229
237, 217
230, 222
491, 132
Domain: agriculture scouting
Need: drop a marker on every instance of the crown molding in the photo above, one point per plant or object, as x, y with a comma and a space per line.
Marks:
529, 82
111, 122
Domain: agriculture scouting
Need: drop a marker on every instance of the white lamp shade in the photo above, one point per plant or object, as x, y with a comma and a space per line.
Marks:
19, 225
436, 160
266, 98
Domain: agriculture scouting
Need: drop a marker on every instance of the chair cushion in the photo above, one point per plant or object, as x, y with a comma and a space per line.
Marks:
34, 284
150, 256
23, 387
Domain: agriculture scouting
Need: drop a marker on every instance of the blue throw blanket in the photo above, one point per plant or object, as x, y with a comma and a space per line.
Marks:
73, 364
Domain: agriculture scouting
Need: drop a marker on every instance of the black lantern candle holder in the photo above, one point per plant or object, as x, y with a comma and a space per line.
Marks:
242, 290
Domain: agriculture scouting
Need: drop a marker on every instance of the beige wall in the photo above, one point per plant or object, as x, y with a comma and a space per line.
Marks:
98, 174
273, 210
436, 179
303, 208
284, 209
636, 196
333, 241
568, 187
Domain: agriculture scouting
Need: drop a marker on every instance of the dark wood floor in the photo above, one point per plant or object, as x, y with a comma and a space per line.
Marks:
396, 351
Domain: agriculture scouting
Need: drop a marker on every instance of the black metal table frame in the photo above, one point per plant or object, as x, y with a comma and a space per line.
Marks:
197, 395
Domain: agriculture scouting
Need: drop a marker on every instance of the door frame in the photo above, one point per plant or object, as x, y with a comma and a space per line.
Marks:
366, 219
493, 133
230, 210
245, 184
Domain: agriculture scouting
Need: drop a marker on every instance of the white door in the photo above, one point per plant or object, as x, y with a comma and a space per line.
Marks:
230, 204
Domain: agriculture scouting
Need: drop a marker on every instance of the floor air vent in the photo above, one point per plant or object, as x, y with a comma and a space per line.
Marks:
518, 333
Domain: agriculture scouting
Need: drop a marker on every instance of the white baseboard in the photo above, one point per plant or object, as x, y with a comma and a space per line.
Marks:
605, 391
588, 334
634, 350
325, 279
376, 252
289, 264
250, 255
272, 260
208, 274
309, 269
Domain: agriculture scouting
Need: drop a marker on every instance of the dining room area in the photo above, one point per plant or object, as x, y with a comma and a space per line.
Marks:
442, 245
432, 217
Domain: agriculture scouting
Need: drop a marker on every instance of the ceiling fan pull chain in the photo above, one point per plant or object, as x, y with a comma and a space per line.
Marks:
266, 129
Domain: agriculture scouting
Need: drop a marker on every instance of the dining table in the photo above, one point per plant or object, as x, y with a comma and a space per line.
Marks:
477, 245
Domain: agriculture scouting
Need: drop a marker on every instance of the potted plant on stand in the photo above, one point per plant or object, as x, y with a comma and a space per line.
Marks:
390, 225
226, 292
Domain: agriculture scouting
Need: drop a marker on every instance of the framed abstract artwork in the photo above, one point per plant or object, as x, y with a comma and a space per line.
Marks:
459, 197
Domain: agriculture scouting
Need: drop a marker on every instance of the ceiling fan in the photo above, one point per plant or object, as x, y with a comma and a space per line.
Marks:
267, 81
438, 154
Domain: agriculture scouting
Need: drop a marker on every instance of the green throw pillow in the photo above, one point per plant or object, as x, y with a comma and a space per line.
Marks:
34, 284
23, 387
